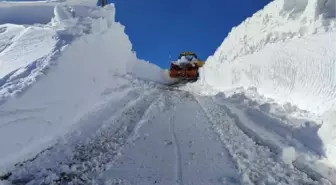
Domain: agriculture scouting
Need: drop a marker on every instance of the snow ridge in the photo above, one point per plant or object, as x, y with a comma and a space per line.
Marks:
279, 21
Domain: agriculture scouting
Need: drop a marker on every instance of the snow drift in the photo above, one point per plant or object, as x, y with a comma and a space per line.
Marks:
83, 58
287, 52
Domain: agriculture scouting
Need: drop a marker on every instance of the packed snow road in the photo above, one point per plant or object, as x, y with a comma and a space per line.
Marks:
154, 135
177, 146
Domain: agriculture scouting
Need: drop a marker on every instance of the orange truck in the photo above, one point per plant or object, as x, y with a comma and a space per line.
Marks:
186, 67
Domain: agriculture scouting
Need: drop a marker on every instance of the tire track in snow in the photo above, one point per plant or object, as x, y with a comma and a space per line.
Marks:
148, 115
176, 147
256, 163
134, 165
179, 171
170, 103
80, 161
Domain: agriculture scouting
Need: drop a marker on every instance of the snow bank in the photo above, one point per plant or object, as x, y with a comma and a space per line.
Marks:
94, 52
287, 52
28, 51
284, 73
263, 52
26, 13
38, 12
24, 52
279, 21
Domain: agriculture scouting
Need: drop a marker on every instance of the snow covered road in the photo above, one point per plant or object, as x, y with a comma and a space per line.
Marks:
158, 136
176, 147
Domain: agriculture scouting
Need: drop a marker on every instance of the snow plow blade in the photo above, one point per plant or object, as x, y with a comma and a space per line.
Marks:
187, 69
183, 73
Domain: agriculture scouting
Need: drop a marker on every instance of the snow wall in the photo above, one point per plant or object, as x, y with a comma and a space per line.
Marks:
36, 12
93, 55
287, 51
27, 14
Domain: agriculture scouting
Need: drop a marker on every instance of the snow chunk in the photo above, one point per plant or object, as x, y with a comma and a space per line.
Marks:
63, 13
288, 155
327, 133
266, 107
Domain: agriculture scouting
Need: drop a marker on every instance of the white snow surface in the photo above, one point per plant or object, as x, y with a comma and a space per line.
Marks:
287, 52
37, 12
52, 55
78, 107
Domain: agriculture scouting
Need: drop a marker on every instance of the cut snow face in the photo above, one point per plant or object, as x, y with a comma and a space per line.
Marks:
37, 12
26, 13
20, 44
283, 72
287, 53
27, 51
279, 21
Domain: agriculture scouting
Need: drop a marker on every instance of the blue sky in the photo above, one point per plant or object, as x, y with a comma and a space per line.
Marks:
159, 28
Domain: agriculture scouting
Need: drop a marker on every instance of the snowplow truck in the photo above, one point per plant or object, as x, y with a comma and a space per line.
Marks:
186, 67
